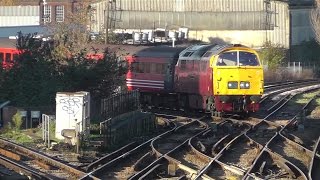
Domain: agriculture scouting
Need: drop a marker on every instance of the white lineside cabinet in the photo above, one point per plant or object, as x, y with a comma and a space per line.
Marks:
73, 111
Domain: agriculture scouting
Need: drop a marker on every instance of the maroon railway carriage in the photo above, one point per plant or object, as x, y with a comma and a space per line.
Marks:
152, 72
8, 52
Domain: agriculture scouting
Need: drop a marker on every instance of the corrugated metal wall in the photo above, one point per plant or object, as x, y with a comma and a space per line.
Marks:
194, 14
244, 20
19, 15
191, 5
193, 20
281, 32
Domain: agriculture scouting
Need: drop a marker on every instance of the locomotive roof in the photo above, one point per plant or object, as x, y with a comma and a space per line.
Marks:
204, 51
142, 51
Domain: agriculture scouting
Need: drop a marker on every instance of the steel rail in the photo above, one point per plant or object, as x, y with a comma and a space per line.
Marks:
42, 157
279, 133
166, 156
111, 156
264, 148
314, 156
16, 166
119, 158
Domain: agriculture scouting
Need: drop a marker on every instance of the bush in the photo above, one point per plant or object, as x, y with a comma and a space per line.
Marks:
272, 55
283, 74
17, 120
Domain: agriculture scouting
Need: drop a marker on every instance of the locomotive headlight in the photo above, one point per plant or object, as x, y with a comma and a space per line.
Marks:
244, 85
232, 85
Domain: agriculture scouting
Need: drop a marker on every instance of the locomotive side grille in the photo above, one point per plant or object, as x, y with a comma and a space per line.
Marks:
138, 83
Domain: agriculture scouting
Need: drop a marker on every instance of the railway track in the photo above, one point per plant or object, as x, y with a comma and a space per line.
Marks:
223, 149
269, 146
35, 164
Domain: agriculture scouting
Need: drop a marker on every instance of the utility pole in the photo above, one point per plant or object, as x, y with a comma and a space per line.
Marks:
106, 14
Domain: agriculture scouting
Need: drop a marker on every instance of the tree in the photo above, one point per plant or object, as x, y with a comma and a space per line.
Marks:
272, 55
315, 20
33, 80
72, 35
38, 74
8, 2
17, 120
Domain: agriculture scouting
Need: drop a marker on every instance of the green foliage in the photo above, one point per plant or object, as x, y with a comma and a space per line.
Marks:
17, 120
272, 55
52, 129
38, 74
18, 136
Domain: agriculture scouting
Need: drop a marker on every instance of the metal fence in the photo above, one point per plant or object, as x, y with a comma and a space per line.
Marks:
120, 103
292, 70
118, 130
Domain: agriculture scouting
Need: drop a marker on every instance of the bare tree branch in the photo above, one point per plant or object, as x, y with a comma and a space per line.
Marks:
7, 2
315, 20
71, 36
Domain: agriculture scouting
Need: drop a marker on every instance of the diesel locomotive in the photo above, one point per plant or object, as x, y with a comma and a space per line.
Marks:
209, 77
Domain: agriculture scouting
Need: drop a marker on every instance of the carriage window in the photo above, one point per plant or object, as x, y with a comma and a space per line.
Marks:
183, 64
8, 57
135, 67
227, 59
248, 59
141, 67
1, 57
160, 68
147, 67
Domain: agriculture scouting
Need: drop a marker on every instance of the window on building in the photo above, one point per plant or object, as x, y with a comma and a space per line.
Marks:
47, 13
60, 13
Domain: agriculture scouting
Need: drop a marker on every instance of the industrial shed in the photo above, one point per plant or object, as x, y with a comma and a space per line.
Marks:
19, 16
250, 22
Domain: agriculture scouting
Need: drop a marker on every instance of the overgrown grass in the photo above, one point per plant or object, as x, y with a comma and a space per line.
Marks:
282, 74
305, 98
17, 136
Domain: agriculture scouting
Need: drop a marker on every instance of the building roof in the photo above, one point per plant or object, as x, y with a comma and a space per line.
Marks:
5, 32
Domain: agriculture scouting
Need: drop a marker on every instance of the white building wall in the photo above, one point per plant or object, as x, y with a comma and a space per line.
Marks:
19, 16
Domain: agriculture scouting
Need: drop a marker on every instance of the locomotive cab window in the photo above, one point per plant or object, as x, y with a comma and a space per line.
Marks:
227, 59
237, 58
248, 59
